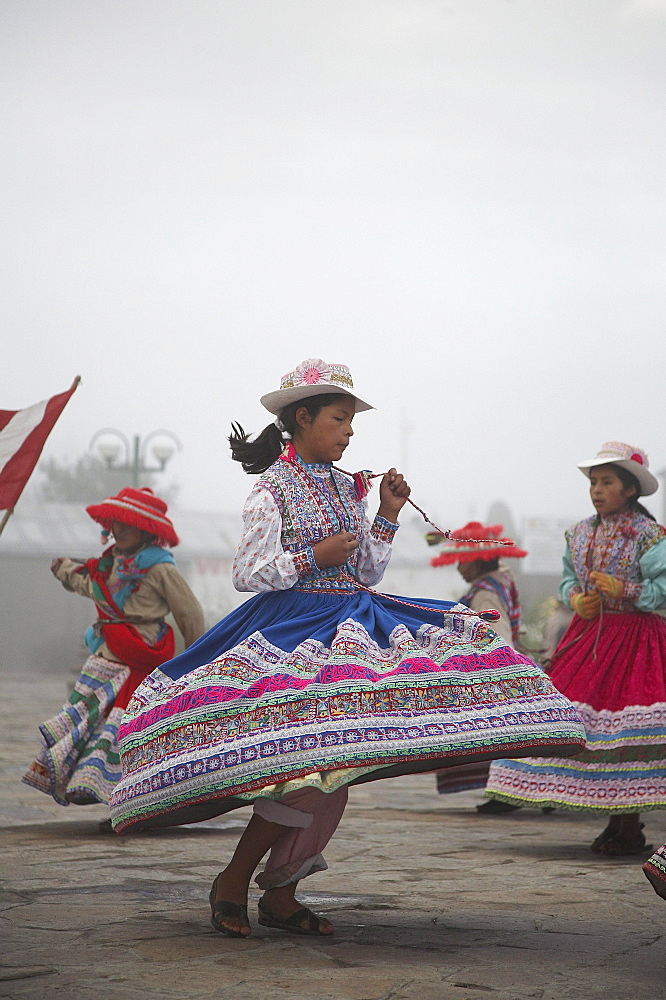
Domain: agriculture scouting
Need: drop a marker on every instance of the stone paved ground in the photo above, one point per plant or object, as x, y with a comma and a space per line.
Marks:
430, 901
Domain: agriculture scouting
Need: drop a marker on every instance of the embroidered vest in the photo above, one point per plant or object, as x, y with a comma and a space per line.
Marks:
314, 503
614, 546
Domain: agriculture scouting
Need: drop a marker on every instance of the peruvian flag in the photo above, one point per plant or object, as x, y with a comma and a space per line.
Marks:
23, 434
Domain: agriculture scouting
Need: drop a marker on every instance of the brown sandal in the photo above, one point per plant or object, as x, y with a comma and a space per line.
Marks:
293, 923
222, 908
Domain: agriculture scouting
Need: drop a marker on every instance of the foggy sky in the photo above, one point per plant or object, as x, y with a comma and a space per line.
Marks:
463, 200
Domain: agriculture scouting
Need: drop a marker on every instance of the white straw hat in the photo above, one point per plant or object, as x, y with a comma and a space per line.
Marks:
313, 377
635, 460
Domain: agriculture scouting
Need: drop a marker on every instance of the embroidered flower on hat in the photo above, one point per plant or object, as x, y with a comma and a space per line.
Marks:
636, 457
311, 372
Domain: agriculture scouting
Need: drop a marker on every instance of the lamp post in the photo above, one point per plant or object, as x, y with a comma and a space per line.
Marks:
135, 457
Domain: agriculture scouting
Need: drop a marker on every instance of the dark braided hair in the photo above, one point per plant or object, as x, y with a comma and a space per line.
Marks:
258, 454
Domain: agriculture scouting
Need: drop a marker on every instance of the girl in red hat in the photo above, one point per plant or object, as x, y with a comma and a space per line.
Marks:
134, 585
611, 662
477, 549
317, 681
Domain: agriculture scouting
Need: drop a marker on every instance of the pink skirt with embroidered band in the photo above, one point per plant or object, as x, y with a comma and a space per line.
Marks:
613, 669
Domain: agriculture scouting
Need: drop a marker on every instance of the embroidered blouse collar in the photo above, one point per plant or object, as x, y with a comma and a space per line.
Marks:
612, 520
316, 468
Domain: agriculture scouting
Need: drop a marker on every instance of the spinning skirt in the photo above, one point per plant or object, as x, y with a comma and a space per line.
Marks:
655, 870
614, 671
79, 761
302, 688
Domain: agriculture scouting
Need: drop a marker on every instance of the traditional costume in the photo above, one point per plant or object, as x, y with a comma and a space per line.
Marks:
318, 682
493, 589
79, 761
612, 667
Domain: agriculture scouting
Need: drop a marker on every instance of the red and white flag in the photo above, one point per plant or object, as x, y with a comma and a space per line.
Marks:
23, 434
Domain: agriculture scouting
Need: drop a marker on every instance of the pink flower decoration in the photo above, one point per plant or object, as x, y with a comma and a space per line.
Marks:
637, 457
312, 372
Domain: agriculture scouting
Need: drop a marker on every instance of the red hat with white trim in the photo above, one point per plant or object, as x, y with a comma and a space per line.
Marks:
635, 460
474, 541
138, 508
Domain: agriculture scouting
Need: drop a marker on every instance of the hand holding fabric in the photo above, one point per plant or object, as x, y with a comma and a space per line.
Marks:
609, 585
588, 605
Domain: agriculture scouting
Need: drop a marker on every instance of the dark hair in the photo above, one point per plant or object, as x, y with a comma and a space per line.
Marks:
257, 455
629, 481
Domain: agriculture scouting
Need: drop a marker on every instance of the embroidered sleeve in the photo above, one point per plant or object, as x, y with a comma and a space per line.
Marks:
570, 584
383, 530
652, 591
374, 551
304, 561
261, 564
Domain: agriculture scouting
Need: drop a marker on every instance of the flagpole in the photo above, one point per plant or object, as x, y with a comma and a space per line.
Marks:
7, 515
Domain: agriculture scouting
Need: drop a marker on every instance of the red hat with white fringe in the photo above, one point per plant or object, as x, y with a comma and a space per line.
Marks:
139, 508
475, 541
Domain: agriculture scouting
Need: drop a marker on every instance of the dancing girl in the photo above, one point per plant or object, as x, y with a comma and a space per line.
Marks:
318, 682
611, 662
134, 585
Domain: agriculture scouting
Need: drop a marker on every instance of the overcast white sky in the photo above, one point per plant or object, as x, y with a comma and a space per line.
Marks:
461, 199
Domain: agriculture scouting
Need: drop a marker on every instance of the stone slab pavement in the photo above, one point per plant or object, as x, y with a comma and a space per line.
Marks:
430, 901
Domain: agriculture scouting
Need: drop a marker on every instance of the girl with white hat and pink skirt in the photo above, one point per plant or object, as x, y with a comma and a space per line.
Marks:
318, 681
611, 662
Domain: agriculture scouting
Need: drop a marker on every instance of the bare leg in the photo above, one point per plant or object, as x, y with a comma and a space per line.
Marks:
630, 825
295, 831
232, 884
625, 835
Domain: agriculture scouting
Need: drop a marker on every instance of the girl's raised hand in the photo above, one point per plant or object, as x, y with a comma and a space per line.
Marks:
393, 493
335, 550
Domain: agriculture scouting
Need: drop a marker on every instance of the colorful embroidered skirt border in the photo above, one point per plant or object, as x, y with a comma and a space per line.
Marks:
614, 672
655, 870
79, 761
321, 690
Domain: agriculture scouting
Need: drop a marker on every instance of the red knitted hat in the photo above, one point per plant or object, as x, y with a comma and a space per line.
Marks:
138, 508
460, 548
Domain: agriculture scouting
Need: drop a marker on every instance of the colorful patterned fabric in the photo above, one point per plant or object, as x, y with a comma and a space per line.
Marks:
614, 545
613, 669
79, 760
505, 590
323, 686
655, 870
304, 523
110, 599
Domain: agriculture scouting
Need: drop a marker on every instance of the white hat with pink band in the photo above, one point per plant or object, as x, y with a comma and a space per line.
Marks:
632, 459
313, 377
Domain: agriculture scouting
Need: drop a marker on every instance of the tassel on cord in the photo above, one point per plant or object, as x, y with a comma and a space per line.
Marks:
363, 485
